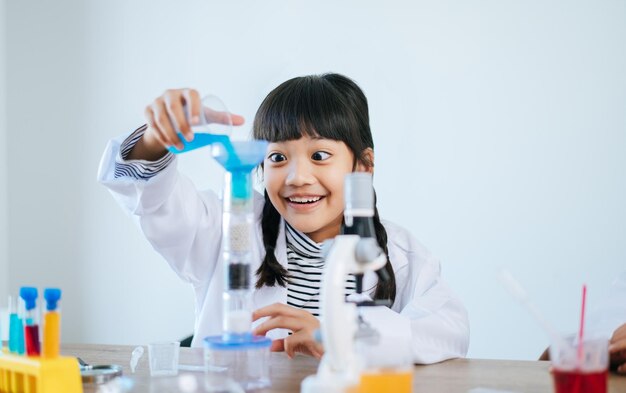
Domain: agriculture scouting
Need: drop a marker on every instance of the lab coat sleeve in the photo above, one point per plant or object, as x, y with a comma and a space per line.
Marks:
438, 320
182, 224
432, 326
425, 313
427, 322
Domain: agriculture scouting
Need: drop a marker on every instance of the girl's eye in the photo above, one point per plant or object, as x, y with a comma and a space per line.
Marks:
320, 156
277, 157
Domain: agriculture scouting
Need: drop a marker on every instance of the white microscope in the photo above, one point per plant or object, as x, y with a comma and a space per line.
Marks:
355, 253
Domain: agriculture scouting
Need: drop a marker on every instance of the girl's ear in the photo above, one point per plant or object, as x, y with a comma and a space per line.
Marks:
366, 163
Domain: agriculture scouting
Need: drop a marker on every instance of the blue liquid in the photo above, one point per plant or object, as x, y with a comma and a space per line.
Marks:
202, 139
16, 335
238, 158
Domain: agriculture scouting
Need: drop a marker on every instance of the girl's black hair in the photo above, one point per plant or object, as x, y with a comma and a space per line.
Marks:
330, 106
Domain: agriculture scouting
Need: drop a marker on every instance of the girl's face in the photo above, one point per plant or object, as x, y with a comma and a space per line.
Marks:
304, 181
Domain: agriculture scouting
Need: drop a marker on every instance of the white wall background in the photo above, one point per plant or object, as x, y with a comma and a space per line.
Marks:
500, 132
4, 253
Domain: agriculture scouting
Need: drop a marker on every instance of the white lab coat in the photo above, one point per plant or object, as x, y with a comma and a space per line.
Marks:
184, 226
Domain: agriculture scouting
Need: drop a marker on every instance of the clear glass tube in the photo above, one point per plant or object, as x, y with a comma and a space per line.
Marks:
237, 229
52, 324
31, 320
16, 326
31, 332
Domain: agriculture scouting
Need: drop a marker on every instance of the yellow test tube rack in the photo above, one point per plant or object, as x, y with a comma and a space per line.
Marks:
26, 374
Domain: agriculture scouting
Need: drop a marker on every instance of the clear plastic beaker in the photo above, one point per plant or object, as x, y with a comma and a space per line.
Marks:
214, 117
576, 369
388, 365
214, 125
164, 358
246, 362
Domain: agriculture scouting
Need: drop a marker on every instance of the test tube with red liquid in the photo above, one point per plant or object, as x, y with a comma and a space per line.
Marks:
31, 321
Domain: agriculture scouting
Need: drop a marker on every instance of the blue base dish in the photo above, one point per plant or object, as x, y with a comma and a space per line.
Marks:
243, 358
239, 342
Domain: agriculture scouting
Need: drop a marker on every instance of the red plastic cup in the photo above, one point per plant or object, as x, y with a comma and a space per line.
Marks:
580, 372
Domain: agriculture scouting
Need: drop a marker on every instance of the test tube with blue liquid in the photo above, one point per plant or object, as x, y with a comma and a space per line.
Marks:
16, 326
31, 321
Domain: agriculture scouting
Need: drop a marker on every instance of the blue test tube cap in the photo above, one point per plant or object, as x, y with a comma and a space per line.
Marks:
52, 296
29, 294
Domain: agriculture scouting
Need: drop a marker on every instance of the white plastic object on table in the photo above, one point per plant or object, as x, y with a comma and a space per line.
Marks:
134, 358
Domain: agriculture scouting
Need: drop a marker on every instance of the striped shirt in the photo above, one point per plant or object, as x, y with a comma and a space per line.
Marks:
138, 169
305, 264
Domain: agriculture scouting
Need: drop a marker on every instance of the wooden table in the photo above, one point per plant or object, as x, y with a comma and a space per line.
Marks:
459, 375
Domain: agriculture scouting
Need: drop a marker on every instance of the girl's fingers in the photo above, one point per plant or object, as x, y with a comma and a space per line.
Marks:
278, 345
302, 342
284, 317
192, 99
300, 322
279, 322
618, 357
237, 119
619, 334
149, 115
152, 128
176, 112
315, 351
274, 310
164, 124
617, 346
213, 116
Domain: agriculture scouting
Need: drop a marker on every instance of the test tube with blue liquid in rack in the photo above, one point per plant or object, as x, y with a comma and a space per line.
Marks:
16, 326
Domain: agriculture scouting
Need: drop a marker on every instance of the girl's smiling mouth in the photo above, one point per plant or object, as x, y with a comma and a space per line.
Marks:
304, 202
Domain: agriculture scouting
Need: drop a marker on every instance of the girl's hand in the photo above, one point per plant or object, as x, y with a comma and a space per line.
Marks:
167, 110
302, 324
617, 349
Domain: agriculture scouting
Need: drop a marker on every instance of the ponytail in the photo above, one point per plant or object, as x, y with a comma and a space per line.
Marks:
271, 272
385, 290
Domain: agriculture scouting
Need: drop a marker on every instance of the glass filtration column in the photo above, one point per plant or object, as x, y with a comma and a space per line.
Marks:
239, 159
243, 356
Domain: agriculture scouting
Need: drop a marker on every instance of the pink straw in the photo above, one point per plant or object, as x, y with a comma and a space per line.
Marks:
582, 327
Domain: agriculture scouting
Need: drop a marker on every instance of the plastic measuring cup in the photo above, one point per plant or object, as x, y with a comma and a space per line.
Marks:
164, 358
215, 125
247, 362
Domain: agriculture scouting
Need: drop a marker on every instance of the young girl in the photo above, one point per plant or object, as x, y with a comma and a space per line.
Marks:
318, 129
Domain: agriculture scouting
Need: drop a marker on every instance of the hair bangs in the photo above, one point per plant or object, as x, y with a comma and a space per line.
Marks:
309, 106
